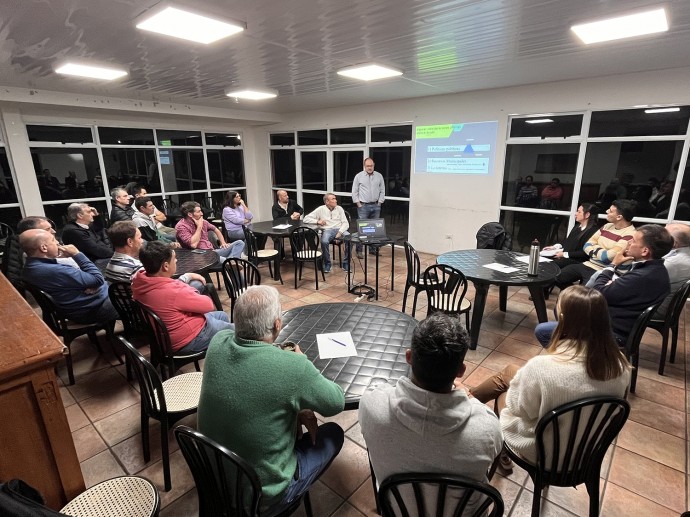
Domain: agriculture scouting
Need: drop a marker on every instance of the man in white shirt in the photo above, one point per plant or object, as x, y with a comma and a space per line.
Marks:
368, 193
334, 224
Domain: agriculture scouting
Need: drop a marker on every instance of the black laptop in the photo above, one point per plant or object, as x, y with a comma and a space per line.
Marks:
371, 230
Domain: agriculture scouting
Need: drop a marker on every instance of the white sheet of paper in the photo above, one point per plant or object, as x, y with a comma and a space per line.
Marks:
525, 259
335, 344
282, 226
502, 268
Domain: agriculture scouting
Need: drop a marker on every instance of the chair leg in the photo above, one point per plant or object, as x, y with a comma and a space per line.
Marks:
414, 301
593, 491
674, 344
633, 376
295, 275
68, 361
536, 501
664, 351
316, 274
278, 274
494, 466
307, 504
166, 456
373, 484
145, 444
407, 288
467, 321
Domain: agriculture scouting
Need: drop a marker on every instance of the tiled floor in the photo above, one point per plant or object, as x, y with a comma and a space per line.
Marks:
645, 473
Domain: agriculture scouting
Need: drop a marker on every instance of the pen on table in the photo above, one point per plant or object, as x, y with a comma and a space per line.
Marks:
336, 341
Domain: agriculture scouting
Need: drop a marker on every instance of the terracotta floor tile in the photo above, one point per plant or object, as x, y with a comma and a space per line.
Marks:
575, 500
659, 417
182, 481
490, 339
478, 355
324, 501
523, 507
649, 479
186, 505
524, 334
673, 374
519, 349
348, 470
76, 418
653, 444
355, 434
103, 405
66, 396
661, 393
497, 327
509, 490
130, 453
87, 442
497, 361
347, 510
346, 419
479, 375
100, 467
97, 383
619, 502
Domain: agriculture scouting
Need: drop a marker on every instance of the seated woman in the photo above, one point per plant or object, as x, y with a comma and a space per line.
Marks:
583, 360
235, 214
570, 251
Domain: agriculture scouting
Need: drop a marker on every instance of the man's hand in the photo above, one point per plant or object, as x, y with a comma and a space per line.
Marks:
199, 222
298, 350
174, 245
620, 256
68, 250
338, 235
321, 222
195, 276
307, 418
225, 245
294, 216
359, 205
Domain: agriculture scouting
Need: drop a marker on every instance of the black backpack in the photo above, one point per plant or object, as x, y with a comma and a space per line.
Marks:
492, 236
18, 499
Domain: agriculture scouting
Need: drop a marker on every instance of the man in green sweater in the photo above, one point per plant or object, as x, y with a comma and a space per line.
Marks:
255, 396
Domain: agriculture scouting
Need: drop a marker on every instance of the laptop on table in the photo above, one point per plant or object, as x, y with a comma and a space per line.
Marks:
372, 230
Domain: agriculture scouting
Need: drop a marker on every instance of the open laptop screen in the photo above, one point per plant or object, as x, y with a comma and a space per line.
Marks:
371, 228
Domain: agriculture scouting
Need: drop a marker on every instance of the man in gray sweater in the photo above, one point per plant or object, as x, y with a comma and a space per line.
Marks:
423, 424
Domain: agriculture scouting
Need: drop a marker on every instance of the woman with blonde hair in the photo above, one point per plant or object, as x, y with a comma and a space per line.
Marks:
582, 360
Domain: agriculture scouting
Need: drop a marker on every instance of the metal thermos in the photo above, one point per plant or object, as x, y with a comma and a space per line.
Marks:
533, 264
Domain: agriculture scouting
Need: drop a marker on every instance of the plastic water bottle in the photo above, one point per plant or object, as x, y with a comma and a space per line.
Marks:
533, 264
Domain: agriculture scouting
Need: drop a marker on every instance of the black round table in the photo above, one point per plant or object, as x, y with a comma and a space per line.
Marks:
191, 261
381, 336
472, 262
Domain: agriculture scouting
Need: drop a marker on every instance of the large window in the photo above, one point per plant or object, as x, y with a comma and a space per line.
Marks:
596, 157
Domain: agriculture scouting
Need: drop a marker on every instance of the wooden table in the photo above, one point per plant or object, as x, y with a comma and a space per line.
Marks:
472, 262
37, 445
381, 336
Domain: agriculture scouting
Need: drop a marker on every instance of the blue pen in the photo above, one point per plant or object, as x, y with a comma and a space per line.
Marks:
336, 341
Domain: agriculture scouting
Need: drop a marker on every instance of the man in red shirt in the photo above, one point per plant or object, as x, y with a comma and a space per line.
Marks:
192, 233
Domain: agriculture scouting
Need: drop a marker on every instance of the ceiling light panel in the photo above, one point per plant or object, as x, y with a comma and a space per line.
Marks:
648, 22
90, 71
179, 23
370, 72
252, 94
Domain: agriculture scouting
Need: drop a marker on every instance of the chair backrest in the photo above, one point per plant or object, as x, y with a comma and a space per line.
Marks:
133, 321
492, 236
572, 439
51, 315
632, 344
437, 495
161, 347
249, 243
150, 385
675, 307
304, 242
445, 288
226, 484
13, 261
414, 267
238, 275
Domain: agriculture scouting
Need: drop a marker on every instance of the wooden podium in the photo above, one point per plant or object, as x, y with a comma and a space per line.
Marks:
37, 445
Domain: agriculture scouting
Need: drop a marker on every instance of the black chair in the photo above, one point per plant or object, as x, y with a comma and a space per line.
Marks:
571, 441
239, 274
437, 495
133, 322
306, 247
166, 402
257, 256
632, 344
670, 323
69, 330
162, 353
226, 484
415, 277
445, 290
13, 262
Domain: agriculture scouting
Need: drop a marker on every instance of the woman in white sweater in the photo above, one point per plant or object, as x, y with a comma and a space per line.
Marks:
582, 360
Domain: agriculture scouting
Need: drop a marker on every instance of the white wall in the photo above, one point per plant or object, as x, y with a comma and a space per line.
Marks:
459, 205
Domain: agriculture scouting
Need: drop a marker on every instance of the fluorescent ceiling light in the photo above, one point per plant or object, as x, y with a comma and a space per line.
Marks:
179, 23
661, 110
370, 72
91, 71
621, 27
539, 120
252, 94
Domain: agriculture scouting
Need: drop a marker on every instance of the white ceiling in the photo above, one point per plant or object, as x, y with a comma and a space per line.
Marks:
296, 46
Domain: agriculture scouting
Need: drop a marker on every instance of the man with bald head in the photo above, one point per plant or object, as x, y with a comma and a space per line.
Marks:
81, 294
677, 262
286, 207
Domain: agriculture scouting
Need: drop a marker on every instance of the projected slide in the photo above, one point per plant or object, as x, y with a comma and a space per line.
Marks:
455, 148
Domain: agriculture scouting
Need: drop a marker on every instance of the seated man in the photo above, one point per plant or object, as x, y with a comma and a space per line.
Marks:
122, 211
80, 232
333, 221
40, 222
286, 207
125, 262
646, 283
192, 233
144, 218
159, 217
80, 293
603, 246
423, 424
255, 395
676, 262
188, 316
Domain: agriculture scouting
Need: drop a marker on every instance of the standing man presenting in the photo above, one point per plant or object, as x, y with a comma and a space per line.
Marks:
368, 193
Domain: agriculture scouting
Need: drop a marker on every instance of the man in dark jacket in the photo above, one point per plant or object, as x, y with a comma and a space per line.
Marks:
122, 211
286, 207
80, 232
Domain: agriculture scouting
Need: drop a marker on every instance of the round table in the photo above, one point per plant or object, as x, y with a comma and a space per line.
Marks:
472, 264
192, 261
381, 336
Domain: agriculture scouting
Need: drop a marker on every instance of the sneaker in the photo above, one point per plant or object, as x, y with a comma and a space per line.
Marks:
360, 255
327, 269
506, 463
346, 268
